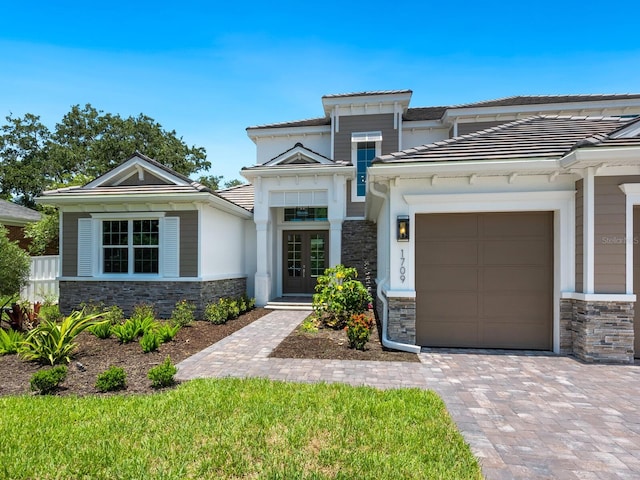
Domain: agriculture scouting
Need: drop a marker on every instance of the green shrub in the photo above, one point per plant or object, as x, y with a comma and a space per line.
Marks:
150, 341
359, 330
216, 313
166, 332
309, 325
114, 378
114, 315
49, 311
250, 303
125, 332
233, 308
142, 313
182, 315
53, 342
10, 341
101, 330
162, 375
339, 295
46, 381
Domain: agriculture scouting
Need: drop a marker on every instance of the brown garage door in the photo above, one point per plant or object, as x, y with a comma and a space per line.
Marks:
485, 280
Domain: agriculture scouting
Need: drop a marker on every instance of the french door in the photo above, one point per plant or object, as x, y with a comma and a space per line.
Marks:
305, 257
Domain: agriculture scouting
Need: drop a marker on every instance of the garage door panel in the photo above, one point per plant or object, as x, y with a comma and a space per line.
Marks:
513, 278
514, 225
448, 253
439, 278
498, 296
455, 305
522, 252
462, 334
447, 226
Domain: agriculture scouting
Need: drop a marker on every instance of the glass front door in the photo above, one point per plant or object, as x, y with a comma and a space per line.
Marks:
304, 259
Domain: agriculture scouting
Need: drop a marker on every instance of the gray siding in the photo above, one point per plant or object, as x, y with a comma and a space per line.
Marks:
188, 242
579, 235
364, 123
354, 209
610, 234
70, 243
466, 128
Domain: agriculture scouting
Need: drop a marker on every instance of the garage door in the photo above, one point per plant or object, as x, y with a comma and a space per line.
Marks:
485, 280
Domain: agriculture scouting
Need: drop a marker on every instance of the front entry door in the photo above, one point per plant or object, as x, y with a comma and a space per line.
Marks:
304, 259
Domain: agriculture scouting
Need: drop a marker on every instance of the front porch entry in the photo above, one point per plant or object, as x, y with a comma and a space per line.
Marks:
305, 257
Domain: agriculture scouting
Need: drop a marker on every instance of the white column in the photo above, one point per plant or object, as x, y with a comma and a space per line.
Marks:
263, 277
335, 242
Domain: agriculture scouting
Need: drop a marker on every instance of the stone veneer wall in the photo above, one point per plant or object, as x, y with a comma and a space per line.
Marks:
359, 250
162, 295
603, 331
566, 326
401, 325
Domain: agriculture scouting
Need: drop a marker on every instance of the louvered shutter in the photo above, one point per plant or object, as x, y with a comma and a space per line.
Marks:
85, 247
171, 247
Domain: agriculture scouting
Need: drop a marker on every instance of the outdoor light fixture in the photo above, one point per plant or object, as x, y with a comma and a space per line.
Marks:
403, 228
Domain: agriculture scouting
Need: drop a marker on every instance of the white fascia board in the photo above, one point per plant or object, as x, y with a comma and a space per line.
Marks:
599, 297
608, 106
256, 133
591, 157
413, 170
402, 98
300, 152
300, 171
85, 201
135, 160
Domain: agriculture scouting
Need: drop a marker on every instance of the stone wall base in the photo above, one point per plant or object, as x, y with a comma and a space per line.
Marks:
162, 295
401, 325
359, 250
602, 331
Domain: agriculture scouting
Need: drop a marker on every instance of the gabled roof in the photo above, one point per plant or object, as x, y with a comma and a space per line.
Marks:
547, 99
369, 93
12, 213
533, 137
300, 155
242, 195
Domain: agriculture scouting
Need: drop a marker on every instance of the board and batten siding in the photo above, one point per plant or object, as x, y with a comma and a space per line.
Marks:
188, 242
70, 242
354, 209
364, 123
610, 234
579, 235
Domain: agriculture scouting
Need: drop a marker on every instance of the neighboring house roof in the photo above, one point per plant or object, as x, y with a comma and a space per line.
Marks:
369, 93
533, 137
241, 195
14, 214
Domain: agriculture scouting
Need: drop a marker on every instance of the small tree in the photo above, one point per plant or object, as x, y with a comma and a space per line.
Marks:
15, 266
43, 233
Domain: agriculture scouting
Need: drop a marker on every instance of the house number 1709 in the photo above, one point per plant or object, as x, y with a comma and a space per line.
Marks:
403, 270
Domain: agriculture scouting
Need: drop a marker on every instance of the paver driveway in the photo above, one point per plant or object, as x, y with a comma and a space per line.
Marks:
524, 415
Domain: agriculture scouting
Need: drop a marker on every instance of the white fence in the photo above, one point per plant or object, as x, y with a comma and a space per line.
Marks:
42, 281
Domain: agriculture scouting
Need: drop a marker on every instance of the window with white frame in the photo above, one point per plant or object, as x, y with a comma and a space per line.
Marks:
131, 244
365, 147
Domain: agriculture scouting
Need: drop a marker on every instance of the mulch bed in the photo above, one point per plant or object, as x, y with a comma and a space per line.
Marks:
328, 343
95, 355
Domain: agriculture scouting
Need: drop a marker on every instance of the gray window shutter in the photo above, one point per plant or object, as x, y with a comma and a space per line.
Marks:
171, 247
85, 247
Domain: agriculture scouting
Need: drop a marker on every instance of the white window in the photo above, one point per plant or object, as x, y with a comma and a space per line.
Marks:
129, 245
365, 146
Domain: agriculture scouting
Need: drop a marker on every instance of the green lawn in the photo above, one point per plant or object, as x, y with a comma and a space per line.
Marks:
235, 429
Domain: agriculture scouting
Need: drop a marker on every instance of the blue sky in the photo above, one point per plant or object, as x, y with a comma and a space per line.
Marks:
209, 70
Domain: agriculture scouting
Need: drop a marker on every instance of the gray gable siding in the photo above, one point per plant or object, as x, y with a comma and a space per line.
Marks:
149, 179
364, 123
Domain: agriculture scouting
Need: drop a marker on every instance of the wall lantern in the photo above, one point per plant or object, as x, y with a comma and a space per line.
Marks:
403, 228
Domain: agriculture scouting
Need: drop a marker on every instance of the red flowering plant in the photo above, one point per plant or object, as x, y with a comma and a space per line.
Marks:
359, 330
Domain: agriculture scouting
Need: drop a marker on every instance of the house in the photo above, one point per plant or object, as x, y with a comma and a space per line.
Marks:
15, 218
500, 224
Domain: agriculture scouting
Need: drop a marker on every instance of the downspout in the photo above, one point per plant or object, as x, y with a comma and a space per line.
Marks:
405, 347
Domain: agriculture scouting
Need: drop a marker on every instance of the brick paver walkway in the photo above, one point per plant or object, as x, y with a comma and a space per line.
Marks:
524, 415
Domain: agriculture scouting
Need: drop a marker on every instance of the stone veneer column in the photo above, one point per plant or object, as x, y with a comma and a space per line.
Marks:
603, 331
401, 325
566, 325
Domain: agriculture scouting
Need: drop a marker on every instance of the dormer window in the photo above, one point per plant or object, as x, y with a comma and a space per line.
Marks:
365, 147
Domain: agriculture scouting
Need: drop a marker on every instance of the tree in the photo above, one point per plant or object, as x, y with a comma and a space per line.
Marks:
86, 143
43, 233
15, 266
214, 182
233, 183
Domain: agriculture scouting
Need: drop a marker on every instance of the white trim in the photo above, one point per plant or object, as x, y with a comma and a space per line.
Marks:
588, 233
598, 297
128, 215
398, 293
355, 198
132, 163
362, 137
632, 192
